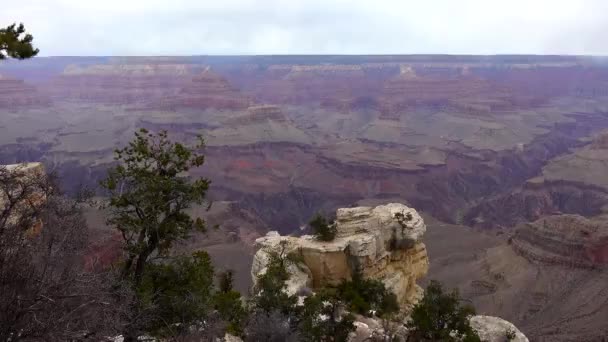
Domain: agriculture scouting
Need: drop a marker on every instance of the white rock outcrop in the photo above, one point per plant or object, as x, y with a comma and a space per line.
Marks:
383, 242
494, 329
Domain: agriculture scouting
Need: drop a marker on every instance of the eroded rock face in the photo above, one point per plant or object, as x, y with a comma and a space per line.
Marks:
494, 329
371, 239
120, 84
208, 90
567, 240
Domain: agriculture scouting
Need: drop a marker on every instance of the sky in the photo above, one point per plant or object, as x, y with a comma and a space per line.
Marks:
235, 27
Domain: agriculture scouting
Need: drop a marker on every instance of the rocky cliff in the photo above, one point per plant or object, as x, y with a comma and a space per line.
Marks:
206, 90
545, 281
371, 240
119, 84
382, 242
567, 240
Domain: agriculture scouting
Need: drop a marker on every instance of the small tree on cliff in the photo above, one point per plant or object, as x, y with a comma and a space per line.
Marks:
323, 318
15, 43
270, 290
440, 317
323, 229
367, 296
149, 193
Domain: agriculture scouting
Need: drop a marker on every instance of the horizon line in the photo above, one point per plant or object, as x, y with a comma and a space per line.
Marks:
332, 55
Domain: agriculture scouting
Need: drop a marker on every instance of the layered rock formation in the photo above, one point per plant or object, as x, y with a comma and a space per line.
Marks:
573, 183
451, 89
258, 114
543, 283
16, 95
207, 90
566, 240
120, 84
371, 240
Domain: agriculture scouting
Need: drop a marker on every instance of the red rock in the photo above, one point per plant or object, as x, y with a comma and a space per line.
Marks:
207, 90
131, 84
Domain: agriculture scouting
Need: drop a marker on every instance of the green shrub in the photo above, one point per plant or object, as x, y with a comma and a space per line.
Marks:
226, 281
228, 304
440, 317
365, 296
177, 294
231, 310
270, 292
321, 318
323, 229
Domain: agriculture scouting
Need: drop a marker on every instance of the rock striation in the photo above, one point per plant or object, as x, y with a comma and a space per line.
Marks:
373, 240
567, 240
207, 90
16, 94
119, 84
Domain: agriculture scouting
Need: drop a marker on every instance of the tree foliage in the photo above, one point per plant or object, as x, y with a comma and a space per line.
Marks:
270, 289
46, 293
229, 305
440, 317
16, 43
323, 318
149, 193
270, 327
367, 296
176, 294
323, 229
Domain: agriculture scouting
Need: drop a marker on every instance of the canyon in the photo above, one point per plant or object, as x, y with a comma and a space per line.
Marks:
503, 155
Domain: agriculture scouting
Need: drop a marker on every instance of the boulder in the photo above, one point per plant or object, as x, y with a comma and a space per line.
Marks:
494, 329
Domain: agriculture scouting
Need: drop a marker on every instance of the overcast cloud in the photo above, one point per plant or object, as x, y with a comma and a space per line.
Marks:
198, 27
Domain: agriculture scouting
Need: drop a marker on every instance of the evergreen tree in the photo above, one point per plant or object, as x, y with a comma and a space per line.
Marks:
367, 296
270, 294
229, 305
149, 194
324, 318
440, 317
176, 295
323, 229
15, 43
